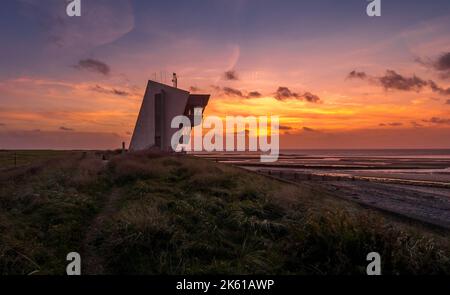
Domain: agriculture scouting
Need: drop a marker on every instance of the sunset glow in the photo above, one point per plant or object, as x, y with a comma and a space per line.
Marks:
346, 84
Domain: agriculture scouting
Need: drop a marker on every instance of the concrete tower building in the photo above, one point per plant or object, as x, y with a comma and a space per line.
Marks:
160, 105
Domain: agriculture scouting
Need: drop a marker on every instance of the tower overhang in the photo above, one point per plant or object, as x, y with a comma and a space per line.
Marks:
162, 103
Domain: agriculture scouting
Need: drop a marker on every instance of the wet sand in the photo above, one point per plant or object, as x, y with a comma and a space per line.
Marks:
427, 204
416, 187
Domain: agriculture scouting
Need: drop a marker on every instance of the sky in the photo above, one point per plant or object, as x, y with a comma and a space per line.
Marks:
336, 77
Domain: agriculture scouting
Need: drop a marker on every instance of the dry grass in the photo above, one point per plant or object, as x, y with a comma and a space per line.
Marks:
198, 217
182, 215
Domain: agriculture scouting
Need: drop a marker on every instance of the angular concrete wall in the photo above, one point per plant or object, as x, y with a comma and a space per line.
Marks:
175, 103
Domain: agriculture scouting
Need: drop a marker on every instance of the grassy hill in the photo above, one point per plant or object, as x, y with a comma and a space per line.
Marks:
144, 213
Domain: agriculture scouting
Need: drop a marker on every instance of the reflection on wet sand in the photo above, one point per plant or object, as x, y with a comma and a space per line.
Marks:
411, 183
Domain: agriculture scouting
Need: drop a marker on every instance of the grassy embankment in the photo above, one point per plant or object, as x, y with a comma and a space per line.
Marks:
9, 159
181, 215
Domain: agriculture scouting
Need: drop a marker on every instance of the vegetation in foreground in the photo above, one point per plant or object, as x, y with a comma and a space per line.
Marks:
145, 213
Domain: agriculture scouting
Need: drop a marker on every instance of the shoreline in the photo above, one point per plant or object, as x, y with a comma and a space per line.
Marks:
416, 188
427, 202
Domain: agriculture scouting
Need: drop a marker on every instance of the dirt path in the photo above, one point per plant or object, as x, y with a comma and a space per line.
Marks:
92, 264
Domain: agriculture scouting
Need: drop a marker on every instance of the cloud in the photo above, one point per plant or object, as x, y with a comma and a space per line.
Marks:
232, 92
391, 124
238, 93
215, 87
62, 128
113, 91
230, 76
94, 65
194, 89
438, 89
307, 129
442, 65
285, 127
443, 62
102, 22
311, 97
119, 92
395, 81
2, 124
254, 94
448, 101
438, 120
357, 75
284, 93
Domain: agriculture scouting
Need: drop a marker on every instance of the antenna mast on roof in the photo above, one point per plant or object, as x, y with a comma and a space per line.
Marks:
175, 80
